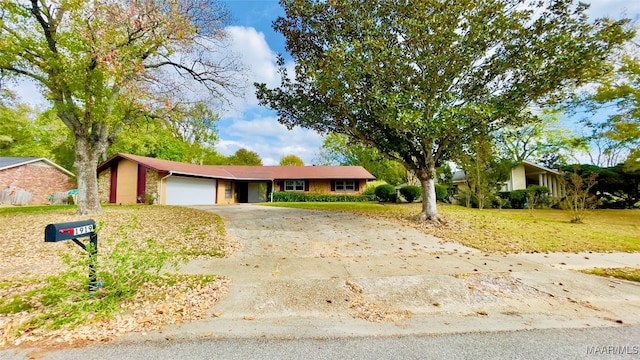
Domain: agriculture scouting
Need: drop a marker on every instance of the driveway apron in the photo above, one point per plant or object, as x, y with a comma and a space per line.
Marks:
315, 273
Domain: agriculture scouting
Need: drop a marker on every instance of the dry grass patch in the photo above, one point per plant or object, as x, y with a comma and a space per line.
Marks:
511, 231
620, 273
43, 288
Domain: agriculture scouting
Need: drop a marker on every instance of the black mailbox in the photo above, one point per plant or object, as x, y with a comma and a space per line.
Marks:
69, 231
72, 231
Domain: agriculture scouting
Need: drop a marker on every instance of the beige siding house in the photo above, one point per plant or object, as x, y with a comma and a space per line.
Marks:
522, 176
131, 179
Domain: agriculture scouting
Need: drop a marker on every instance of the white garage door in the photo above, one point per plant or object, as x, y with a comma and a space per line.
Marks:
190, 191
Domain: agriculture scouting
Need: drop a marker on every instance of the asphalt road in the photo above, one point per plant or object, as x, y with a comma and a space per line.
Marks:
600, 343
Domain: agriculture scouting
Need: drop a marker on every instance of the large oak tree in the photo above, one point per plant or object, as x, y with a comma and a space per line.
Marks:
415, 78
107, 64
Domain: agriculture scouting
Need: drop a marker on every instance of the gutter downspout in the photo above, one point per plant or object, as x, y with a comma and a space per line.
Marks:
273, 188
160, 190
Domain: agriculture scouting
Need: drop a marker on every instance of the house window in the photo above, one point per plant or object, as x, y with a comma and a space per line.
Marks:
345, 185
294, 185
228, 187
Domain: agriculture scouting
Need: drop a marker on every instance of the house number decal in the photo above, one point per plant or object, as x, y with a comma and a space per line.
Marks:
78, 231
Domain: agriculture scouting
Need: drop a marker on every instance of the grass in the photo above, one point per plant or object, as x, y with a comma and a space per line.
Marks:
136, 243
620, 273
511, 231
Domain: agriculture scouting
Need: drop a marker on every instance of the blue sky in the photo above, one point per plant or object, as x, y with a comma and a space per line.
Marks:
253, 40
256, 128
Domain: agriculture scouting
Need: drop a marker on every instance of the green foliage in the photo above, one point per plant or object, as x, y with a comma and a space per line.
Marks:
14, 305
442, 193
416, 81
283, 196
517, 198
537, 196
578, 199
485, 173
244, 157
542, 140
104, 72
617, 187
291, 160
630, 274
385, 192
27, 132
411, 192
370, 188
123, 271
339, 149
618, 137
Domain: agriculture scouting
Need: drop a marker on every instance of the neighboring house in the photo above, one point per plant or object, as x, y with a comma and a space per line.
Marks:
522, 176
130, 179
39, 176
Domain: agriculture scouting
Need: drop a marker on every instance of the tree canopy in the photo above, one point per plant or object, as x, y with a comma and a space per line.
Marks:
415, 78
291, 160
542, 141
618, 137
338, 149
107, 65
244, 157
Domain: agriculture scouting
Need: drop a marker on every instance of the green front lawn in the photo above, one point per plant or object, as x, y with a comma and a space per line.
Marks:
510, 231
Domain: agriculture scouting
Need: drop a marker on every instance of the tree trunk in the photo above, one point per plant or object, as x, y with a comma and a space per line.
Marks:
429, 208
86, 165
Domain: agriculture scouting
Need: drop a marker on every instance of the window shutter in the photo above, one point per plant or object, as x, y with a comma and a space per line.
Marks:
142, 183
357, 186
333, 185
306, 185
282, 185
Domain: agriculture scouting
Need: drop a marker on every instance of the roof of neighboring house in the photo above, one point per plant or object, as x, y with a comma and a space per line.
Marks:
460, 176
539, 167
238, 172
11, 162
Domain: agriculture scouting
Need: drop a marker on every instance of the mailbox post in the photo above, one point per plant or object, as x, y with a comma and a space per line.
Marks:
73, 231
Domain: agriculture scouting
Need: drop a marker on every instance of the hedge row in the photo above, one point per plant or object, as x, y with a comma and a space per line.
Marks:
282, 196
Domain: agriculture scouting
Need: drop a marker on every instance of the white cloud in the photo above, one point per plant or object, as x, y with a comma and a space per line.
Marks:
269, 139
253, 51
247, 125
615, 9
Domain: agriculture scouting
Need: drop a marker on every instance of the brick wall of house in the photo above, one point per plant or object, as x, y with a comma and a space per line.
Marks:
104, 186
153, 178
39, 178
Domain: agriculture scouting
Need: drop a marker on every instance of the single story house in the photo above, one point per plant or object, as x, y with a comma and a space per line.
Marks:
130, 179
40, 177
522, 176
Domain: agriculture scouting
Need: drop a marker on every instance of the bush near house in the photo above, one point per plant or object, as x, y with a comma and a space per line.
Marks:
386, 193
302, 197
411, 193
515, 199
442, 193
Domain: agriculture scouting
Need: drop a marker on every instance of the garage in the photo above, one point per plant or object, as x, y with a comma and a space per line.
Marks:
190, 191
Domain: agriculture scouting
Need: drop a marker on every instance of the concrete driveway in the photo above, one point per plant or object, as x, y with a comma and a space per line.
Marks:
313, 273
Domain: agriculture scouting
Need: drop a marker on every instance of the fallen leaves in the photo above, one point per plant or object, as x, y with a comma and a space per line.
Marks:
181, 230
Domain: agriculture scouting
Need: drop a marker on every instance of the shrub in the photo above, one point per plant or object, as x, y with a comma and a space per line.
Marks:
442, 193
517, 198
384, 192
411, 193
370, 189
282, 196
537, 195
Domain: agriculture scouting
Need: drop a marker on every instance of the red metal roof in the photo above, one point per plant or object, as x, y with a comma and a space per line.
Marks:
238, 172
